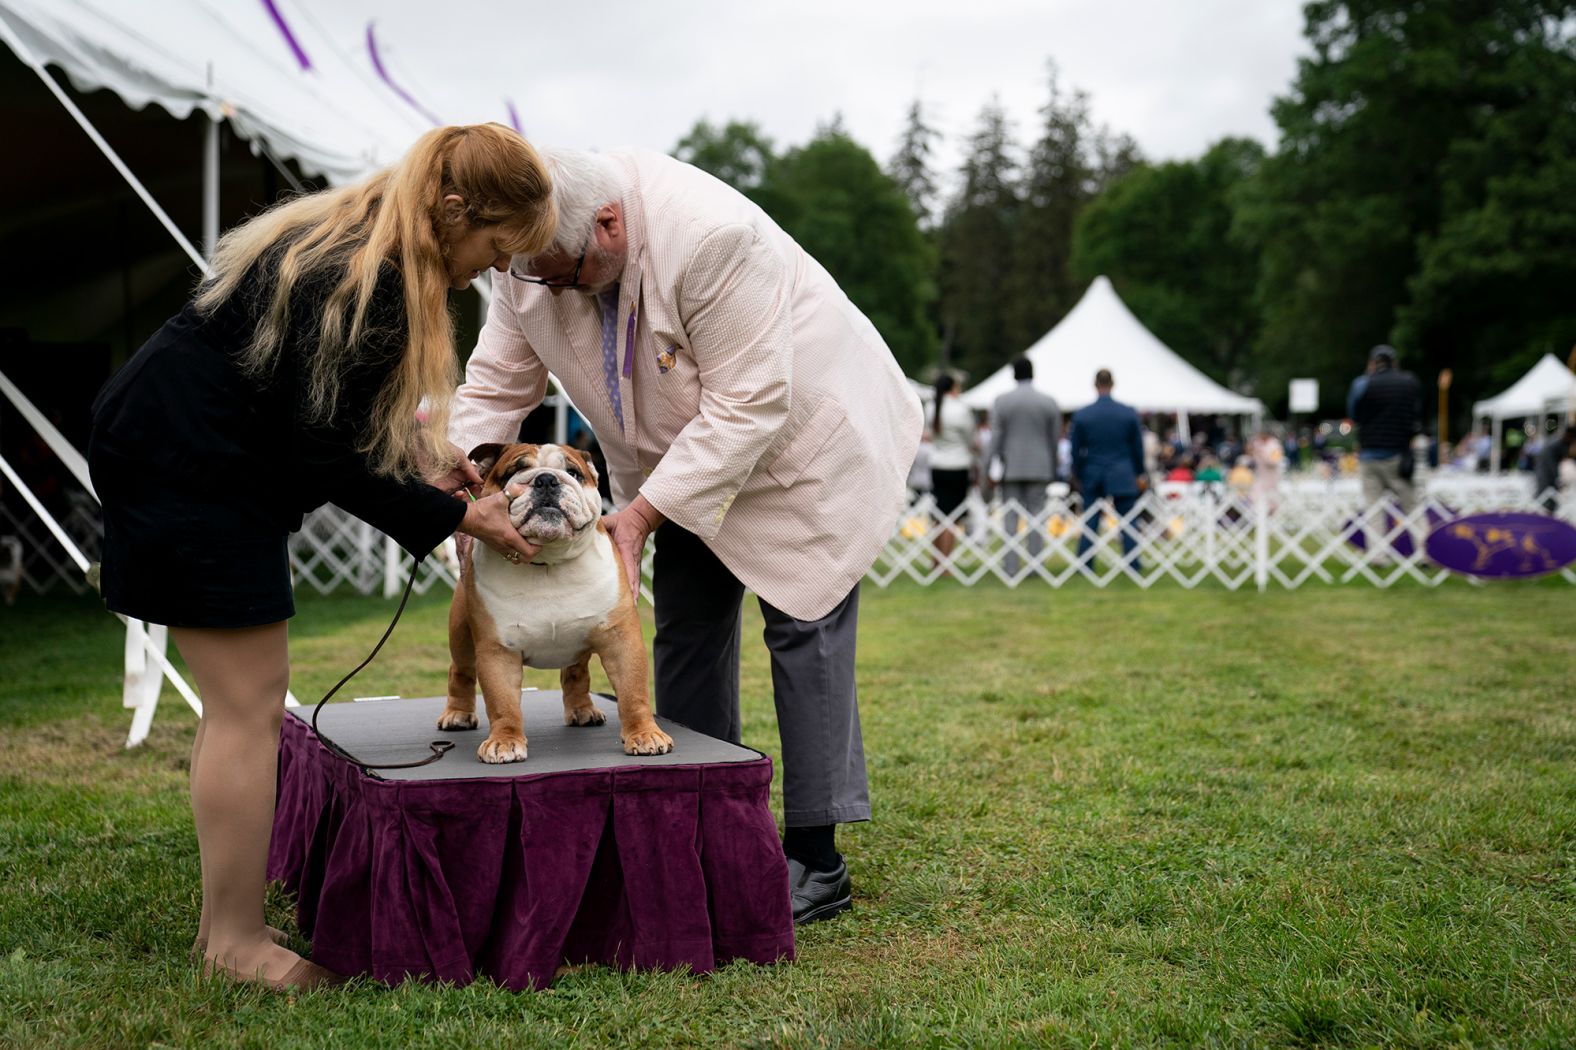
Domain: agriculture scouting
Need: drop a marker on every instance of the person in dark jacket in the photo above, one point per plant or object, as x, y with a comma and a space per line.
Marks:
292, 379
1108, 458
1546, 467
1387, 406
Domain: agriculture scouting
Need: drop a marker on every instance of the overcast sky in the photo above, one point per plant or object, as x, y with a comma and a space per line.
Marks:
1175, 74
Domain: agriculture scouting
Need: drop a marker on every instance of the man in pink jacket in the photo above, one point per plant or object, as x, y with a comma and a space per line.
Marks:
752, 419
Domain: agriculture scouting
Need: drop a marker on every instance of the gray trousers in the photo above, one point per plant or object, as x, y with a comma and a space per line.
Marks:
1382, 476
1381, 479
699, 606
1031, 494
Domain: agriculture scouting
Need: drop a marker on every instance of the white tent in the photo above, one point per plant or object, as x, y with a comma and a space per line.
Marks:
274, 70
1547, 389
1100, 332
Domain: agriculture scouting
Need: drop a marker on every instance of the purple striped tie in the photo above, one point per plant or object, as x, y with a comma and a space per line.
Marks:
609, 302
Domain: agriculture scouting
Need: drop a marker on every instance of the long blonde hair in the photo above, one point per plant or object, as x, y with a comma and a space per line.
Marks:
347, 234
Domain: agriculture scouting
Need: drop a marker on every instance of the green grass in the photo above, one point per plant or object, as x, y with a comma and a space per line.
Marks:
1330, 817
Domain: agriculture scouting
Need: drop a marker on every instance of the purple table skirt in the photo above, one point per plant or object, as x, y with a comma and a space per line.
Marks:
512, 877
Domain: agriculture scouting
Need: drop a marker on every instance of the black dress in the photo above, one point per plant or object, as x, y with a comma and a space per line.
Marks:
203, 472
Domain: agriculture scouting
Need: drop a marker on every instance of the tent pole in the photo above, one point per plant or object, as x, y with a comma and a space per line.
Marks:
210, 187
53, 438
1493, 453
22, 51
279, 165
1183, 430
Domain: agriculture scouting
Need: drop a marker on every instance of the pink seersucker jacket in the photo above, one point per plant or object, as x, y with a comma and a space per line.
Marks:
762, 411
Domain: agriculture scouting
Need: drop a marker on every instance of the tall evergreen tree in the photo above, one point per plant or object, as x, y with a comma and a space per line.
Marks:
1163, 235
835, 200
738, 153
1115, 155
1422, 143
910, 165
1493, 288
1061, 178
977, 250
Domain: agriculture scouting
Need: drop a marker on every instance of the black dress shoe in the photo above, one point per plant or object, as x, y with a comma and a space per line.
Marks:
818, 894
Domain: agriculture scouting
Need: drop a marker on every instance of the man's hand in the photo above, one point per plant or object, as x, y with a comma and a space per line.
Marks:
488, 521
628, 529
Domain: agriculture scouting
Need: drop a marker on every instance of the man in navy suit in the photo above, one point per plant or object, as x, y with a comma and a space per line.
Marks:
1108, 457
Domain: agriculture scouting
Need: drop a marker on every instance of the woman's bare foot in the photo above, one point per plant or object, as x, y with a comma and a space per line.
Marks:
265, 963
200, 945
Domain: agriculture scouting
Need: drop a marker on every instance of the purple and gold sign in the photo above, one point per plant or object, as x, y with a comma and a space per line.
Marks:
1503, 545
1389, 532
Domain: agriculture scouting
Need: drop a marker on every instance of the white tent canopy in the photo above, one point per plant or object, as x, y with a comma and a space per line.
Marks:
270, 68
1100, 332
1545, 389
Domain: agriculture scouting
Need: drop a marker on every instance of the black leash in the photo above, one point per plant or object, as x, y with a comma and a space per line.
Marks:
439, 747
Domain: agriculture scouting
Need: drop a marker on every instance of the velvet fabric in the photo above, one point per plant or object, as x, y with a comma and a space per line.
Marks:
511, 877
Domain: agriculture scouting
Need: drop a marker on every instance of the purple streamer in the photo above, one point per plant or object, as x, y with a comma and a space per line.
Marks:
377, 65
514, 117
284, 27
629, 343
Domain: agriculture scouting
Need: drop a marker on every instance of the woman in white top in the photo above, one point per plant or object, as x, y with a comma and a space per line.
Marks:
951, 457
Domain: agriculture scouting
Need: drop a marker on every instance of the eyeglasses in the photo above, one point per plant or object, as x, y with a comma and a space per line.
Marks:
554, 282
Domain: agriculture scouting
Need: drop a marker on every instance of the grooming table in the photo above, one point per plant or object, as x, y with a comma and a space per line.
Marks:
459, 869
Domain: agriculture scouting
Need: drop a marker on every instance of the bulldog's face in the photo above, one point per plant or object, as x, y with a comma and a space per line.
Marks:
552, 491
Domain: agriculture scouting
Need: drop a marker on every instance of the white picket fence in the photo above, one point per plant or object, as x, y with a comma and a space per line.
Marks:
31, 559
1304, 530
1196, 534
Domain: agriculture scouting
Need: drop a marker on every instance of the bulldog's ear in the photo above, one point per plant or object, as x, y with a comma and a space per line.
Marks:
484, 456
506, 461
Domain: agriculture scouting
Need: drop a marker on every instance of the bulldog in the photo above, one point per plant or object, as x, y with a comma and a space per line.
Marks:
570, 601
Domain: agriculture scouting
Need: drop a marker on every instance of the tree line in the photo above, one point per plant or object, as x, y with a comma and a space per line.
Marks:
1423, 194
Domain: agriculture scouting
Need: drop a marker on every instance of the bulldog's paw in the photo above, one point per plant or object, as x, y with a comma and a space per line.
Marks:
589, 715
647, 741
452, 720
502, 748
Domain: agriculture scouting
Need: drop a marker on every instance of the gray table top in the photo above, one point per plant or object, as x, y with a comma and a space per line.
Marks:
398, 730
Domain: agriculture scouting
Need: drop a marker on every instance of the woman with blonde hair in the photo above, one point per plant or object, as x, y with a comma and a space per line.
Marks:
292, 379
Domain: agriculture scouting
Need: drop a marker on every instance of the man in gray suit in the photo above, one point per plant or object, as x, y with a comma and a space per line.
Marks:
1025, 426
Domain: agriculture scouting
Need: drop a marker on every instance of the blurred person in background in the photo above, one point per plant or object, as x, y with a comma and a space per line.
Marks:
1108, 460
1269, 461
1025, 428
1387, 406
1240, 477
952, 454
1558, 453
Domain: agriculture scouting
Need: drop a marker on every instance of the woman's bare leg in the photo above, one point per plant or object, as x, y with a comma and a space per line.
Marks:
242, 675
279, 936
202, 921
945, 540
